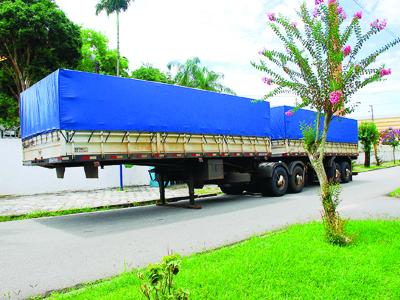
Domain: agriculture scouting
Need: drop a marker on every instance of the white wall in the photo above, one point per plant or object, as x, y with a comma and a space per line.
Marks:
17, 179
384, 152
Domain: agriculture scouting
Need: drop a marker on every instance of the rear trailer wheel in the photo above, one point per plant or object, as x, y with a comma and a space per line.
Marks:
278, 184
296, 180
345, 172
232, 189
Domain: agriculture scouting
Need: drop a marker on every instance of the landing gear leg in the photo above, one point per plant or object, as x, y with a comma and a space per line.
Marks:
190, 184
161, 185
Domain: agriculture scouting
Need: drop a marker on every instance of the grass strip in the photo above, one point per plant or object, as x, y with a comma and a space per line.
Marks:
295, 263
395, 193
385, 165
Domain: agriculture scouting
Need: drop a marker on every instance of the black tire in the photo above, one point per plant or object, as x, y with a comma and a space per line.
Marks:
278, 184
232, 189
345, 172
310, 176
296, 180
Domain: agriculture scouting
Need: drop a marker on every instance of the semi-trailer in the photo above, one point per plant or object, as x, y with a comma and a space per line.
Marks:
79, 119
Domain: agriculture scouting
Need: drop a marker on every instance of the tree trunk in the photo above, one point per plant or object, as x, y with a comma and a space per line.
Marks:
334, 225
378, 162
117, 43
367, 161
394, 155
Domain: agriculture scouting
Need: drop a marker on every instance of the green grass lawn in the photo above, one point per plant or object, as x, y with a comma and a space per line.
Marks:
395, 193
361, 168
295, 263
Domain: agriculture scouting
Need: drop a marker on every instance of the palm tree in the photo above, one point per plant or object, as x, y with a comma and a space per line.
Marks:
113, 6
192, 74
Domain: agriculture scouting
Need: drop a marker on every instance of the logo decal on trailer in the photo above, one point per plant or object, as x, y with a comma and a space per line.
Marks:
81, 149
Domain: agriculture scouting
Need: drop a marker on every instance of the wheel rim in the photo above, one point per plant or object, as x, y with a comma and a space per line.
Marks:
299, 179
337, 175
281, 181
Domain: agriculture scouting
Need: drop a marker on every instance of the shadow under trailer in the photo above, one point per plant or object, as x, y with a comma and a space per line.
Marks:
78, 119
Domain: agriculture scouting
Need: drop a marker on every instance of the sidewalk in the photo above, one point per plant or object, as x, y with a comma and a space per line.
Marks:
20, 205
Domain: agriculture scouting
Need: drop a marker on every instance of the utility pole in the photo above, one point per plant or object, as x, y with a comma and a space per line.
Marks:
372, 113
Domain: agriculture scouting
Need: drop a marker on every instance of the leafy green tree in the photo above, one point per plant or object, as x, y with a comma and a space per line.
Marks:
36, 38
149, 73
8, 111
368, 135
110, 7
96, 54
193, 74
323, 65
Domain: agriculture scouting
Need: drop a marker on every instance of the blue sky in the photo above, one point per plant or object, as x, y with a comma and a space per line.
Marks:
227, 34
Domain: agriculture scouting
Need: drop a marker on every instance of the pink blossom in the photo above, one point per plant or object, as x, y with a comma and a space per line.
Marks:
385, 72
378, 24
294, 24
346, 50
262, 51
316, 12
318, 2
331, 2
341, 12
271, 16
289, 113
335, 97
267, 80
358, 15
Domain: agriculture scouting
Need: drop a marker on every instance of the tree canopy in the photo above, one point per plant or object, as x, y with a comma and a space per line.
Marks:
112, 6
149, 73
36, 38
193, 74
95, 49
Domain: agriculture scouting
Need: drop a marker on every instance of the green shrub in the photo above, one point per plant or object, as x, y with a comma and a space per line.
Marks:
158, 280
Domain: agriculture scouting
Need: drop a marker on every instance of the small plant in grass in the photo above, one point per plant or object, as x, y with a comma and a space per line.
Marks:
321, 61
391, 137
158, 280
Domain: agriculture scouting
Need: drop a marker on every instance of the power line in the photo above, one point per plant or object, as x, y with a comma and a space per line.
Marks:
369, 13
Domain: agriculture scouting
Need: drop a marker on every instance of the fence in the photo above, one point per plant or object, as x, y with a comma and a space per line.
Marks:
9, 133
17, 179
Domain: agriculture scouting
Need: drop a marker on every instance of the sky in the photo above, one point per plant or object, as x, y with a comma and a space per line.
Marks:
227, 35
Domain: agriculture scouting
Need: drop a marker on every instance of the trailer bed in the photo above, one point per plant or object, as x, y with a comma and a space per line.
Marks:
80, 147
296, 148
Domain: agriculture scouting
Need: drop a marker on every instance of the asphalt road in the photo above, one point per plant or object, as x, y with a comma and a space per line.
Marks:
53, 253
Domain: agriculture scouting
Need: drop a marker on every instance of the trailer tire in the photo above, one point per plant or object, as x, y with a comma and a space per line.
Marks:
296, 180
278, 184
345, 172
232, 189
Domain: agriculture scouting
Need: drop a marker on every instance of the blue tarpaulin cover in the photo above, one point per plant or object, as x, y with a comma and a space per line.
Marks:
73, 100
341, 130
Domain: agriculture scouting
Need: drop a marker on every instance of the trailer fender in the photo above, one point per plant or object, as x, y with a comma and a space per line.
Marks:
266, 169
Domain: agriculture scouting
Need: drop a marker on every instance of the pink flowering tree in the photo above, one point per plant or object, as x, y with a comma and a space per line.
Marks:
323, 66
391, 137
